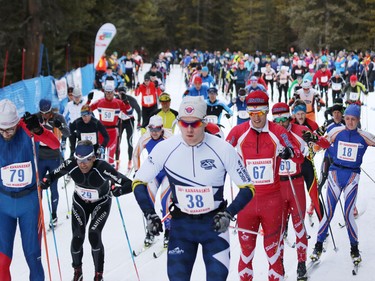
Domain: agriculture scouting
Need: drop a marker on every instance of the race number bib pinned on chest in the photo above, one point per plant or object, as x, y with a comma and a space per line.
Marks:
354, 96
324, 79
149, 100
87, 194
336, 86
89, 136
260, 170
287, 165
211, 119
108, 115
347, 151
17, 175
242, 114
195, 200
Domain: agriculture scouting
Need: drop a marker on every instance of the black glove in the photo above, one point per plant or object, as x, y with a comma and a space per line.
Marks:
100, 151
57, 123
32, 123
222, 221
137, 85
154, 225
45, 182
286, 154
186, 93
321, 130
90, 96
117, 190
308, 137
227, 115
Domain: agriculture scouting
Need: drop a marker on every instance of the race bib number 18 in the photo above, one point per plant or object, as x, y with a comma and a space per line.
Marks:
347, 151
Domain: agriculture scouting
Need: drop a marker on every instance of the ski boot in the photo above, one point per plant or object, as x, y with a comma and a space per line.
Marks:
78, 274
98, 276
166, 238
315, 256
53, 222
354, 252
301, 271
149, 239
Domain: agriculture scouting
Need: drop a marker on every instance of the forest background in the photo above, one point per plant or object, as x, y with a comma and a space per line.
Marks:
52, 37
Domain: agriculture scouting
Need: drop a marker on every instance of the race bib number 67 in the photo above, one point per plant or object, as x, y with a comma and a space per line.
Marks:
260, 170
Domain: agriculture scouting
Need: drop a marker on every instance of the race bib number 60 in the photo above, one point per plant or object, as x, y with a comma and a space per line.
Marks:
195, 200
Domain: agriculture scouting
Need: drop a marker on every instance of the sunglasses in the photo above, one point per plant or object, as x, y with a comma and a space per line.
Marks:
280, 119
155, 129
257, 113
84, 159
194, 124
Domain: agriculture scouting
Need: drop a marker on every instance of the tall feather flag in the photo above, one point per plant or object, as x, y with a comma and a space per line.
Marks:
103, 38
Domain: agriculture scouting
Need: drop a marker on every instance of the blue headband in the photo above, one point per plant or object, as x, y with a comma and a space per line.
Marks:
84, 151
300, 107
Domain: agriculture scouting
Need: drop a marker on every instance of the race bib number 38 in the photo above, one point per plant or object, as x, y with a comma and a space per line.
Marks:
260, 170
347, 151
17, 175
195, 200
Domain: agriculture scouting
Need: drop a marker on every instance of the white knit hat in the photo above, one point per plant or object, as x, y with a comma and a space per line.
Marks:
8, 114
155, 121
192, 106
77, 92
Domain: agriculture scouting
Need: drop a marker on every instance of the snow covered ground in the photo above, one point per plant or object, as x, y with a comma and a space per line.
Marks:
335, 265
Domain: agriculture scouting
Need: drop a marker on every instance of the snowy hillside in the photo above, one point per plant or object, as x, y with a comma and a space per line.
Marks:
335, 265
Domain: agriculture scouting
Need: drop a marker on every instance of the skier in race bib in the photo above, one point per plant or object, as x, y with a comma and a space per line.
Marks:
262, 145
240, 102
215, 108
95, 183
348, 146
18, 188
200, 214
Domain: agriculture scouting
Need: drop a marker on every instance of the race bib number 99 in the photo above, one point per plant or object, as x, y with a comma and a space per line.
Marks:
195, 200
347, 151
260, 170
17, 175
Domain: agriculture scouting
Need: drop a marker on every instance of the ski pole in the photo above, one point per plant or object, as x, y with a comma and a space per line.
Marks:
67, 199
329, 225
127, 237
41, 213
246, 230
368, 175
301, 217
53, 234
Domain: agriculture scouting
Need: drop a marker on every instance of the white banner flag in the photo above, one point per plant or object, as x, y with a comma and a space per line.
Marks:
103, 38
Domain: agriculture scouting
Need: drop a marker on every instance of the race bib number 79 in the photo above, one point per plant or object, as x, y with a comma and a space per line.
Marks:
17, 175
195, 200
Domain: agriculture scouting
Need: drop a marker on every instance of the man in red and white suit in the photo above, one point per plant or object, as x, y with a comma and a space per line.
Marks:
262, 144
110, 110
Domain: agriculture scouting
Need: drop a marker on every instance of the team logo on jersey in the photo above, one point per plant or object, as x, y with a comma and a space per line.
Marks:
208, 164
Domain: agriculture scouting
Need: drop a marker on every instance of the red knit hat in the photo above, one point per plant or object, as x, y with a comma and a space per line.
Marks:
280, 109
197, 80
257, 101
353, 78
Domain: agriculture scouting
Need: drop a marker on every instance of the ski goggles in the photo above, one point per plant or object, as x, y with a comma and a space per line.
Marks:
194, 124
155, 129
84, 159
280, 119
257, 113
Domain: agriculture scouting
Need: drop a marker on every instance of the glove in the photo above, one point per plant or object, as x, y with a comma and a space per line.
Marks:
228, 115
32, 123
366, 93
321, 130
234, 100
318, 107
117, 190
154, 225
309, 137
45, 182
137, 85
286, 154
222, 221
90, 96
63, 145
186, 93
57, 123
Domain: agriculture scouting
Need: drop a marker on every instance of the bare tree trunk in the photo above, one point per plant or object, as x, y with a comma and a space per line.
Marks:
33, 38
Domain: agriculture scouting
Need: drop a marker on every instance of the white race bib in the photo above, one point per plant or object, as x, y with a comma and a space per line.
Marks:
89, 136
243, 114
211, 119
195, 200
286, 165
269, 77
354, 96
17, 175
260, 170
148, 100
324, 79
298, 71
87, 194
347, 151
336, 86
108, 115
